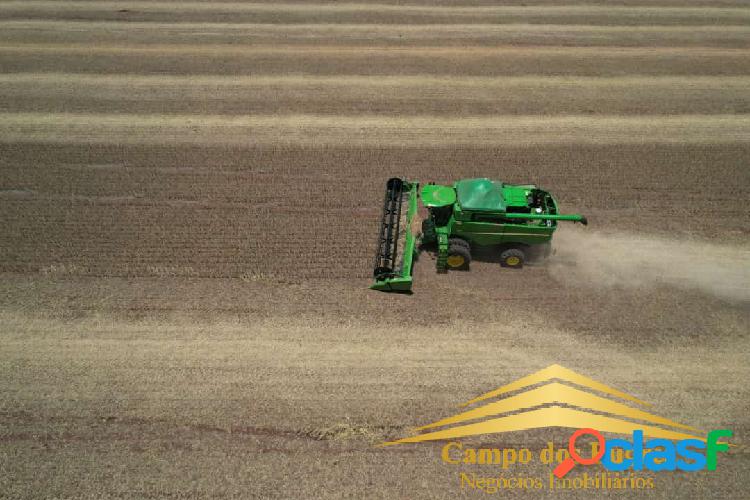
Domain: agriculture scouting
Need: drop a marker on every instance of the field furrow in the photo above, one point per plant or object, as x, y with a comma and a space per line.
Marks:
371, 130
392, 35
388, 95
372, 60
291, 13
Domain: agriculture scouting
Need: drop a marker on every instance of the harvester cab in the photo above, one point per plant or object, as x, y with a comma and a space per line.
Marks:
513, 222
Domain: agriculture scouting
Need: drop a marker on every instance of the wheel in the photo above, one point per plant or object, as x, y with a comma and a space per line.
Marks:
459, 257
512, 257
460, 242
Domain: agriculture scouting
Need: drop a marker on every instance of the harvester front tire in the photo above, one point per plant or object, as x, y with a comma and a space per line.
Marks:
459, 257
513, 258
459, 242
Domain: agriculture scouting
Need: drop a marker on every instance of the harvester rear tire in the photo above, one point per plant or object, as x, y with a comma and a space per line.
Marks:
513, 258
459, 257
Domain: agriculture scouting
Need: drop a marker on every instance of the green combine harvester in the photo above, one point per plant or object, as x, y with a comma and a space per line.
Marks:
512, 222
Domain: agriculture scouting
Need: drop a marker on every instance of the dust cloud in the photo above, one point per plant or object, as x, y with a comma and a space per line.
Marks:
588, 258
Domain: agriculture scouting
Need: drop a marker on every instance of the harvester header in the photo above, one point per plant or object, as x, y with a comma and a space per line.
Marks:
396, 240
513, 222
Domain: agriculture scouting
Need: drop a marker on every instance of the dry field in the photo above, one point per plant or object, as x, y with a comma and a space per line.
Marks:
189, 194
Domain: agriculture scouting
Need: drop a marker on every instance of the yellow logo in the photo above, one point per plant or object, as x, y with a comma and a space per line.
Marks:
552, 397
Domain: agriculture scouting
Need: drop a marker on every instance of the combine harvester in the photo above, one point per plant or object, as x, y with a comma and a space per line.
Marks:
515, 222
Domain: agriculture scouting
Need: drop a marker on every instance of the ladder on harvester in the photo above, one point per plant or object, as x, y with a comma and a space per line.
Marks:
442, 255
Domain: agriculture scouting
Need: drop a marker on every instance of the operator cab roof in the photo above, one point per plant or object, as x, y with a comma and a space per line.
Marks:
481, 195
